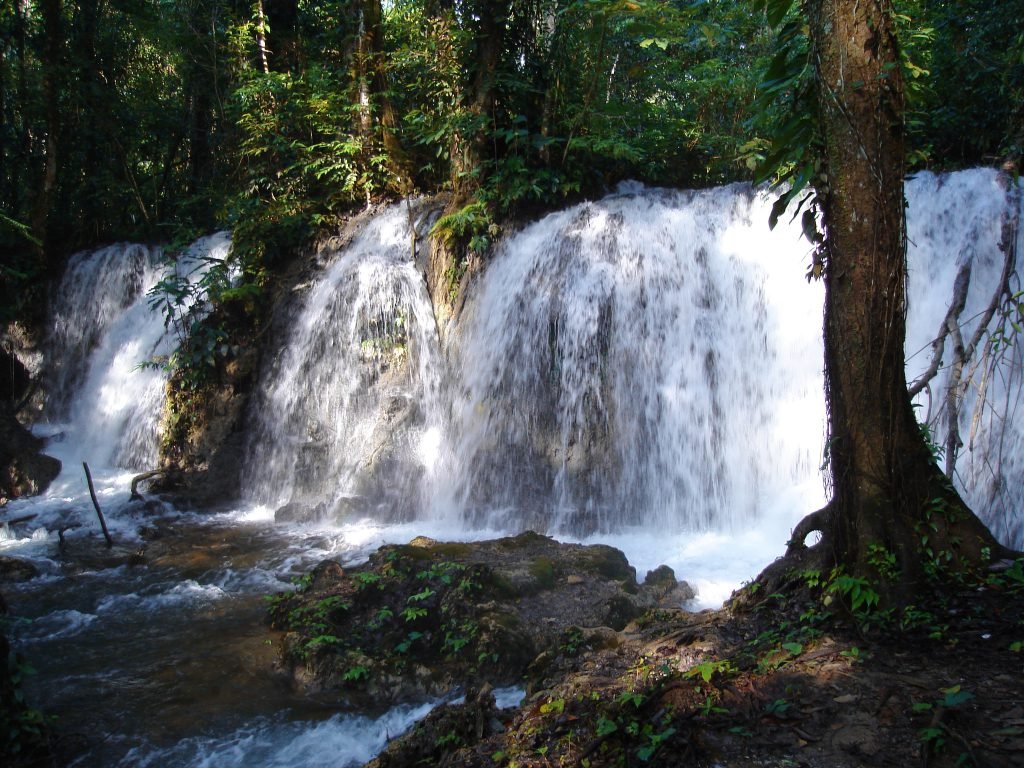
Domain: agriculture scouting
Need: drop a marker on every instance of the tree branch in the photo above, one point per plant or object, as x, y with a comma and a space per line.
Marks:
949, 323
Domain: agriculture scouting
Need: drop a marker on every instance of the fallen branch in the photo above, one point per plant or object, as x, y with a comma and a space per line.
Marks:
96, 503
136, 496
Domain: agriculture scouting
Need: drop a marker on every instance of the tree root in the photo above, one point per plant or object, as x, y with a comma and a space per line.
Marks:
780, 576
136, 496
783, 574
815, 522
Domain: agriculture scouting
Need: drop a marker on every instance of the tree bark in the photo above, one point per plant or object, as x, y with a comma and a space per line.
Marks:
261, 37
377, 114
889, 497
53, 32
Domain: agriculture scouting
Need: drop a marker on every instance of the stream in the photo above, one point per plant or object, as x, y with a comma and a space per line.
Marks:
642, 371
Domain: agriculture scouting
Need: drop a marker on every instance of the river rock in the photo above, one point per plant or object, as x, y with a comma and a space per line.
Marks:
428, 617
24, 469
447, 726
667, 590
298, 512
16, 569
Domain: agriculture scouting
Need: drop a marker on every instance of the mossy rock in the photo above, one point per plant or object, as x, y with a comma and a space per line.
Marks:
543, 571
426, 617
609, 562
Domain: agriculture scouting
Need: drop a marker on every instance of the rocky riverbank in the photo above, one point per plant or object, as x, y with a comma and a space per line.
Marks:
617, 673
427, 618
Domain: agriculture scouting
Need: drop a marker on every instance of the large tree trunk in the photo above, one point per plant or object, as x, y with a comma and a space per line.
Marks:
889, 497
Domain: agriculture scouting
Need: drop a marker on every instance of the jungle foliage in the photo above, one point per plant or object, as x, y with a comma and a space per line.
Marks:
158, 119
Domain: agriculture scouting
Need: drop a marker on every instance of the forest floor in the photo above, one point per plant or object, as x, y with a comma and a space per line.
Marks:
786, 683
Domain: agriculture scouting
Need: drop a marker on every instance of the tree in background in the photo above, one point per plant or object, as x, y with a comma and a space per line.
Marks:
110, 124
970, 108
157, 119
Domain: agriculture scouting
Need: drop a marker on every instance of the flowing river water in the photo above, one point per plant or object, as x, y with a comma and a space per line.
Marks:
644, 370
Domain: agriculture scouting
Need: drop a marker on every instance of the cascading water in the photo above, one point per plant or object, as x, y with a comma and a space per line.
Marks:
106, 628
626, 363
964, 230
104, 330
98, 286
647, 362
348, 414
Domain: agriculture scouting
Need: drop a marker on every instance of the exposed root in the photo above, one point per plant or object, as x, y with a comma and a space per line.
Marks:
815, 522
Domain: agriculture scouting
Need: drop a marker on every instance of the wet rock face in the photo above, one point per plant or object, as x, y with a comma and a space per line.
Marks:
428, 617
24, 470
204, 451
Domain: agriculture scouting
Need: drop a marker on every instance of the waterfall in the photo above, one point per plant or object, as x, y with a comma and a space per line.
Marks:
96, 290
966, 225
645, 367
651, 359
103, 330
648, 360
348, 415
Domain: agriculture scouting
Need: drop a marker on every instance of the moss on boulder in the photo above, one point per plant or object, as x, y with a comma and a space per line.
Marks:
428, 617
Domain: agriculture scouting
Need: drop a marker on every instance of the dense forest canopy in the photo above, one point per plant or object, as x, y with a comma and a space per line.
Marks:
157, 119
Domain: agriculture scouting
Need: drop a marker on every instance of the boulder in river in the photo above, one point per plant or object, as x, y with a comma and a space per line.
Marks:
429, 617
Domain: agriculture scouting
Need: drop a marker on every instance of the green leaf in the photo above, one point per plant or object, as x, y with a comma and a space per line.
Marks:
606, 726
954, 696
777, 10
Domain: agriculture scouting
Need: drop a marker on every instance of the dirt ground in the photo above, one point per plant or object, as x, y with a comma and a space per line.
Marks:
789, 682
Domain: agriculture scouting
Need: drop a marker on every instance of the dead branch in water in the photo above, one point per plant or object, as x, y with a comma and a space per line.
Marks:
96, 503
136, 496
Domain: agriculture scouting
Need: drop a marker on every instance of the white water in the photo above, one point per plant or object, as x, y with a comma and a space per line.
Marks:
347, 412
626, 364
106, 407
97, 289
643, 370
341, 741
958, 219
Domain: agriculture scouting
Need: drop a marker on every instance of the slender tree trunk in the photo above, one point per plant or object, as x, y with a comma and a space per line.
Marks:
889, 497
468, 151
53, 46
377, 115
261, 37
368, 15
